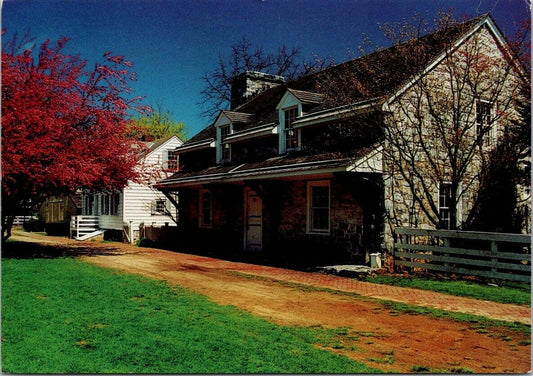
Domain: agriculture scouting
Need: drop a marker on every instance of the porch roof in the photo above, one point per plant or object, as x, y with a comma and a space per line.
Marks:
285, 166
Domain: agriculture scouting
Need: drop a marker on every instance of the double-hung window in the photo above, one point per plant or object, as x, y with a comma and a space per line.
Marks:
205, 209
318, 207
173, 160
445, 196
159, 206
225, 131
292, 136
484, 126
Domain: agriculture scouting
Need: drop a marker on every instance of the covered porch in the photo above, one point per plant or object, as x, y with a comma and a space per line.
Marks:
303, 211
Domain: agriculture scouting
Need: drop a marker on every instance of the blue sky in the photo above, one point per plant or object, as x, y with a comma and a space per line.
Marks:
173, 43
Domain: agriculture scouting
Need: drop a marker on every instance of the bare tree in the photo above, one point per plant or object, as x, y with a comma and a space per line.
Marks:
287, 62
456, 96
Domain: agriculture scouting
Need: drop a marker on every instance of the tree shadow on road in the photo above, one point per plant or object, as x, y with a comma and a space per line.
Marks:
27, 250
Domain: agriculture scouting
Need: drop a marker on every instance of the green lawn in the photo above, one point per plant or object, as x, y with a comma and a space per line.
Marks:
515, 293
66, 316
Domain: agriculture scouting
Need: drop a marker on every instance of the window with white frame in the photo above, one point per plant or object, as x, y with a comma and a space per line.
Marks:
159, 206
205, 209
318, 207
172, 160
485, 131
445, 196
225, 131
292, 136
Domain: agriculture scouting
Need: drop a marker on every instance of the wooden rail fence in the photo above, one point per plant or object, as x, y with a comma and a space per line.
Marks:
21, 219
483, 254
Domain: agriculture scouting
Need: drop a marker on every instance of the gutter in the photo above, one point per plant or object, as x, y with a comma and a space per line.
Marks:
333, 114
202, 144
278, 171
258, 131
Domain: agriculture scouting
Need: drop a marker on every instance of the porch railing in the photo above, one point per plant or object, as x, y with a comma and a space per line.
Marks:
482, 254
82, 225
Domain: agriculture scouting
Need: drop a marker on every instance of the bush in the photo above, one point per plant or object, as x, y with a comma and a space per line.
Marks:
145, 242
33, 225
57, 229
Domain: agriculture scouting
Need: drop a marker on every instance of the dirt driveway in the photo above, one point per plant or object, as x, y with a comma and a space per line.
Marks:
375, 335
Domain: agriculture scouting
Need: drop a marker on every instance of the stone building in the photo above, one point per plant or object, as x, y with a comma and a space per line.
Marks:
302, 173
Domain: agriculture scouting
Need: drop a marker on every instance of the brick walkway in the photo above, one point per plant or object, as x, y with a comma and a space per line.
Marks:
499, 311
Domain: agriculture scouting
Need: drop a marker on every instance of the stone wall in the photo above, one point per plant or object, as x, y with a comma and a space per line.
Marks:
354, 215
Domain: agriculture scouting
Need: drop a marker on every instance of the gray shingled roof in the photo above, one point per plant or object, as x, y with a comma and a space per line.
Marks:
238, 117
308, 97
279, 164
379, 74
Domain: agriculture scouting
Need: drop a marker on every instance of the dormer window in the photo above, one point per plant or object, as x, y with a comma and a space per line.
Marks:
292, 136
226, 148
290, 108
223, 148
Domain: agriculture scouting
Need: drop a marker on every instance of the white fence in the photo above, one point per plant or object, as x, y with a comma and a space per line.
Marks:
21, 219
82, 225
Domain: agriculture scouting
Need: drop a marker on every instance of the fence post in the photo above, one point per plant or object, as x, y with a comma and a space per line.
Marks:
494, 259
446, 245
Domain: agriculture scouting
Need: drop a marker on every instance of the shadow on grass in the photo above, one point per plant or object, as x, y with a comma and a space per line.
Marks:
27, 250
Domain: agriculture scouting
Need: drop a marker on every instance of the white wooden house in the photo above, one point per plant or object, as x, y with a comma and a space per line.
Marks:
122, 213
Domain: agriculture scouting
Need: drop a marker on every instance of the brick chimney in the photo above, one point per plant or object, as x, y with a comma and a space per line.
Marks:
247, 85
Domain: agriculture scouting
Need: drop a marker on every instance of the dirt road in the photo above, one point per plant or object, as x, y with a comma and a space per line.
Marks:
377, 336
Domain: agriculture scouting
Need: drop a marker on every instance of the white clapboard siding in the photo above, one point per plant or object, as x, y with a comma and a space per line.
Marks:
139, 199
136, 201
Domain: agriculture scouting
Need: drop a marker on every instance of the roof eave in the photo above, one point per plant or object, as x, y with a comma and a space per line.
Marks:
291, 170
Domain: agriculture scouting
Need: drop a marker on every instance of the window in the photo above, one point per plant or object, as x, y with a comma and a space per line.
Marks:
88, 208
109, 203
484, 119
445, 196
159, 206
106, 204
206, 209
173, 160
115, 200
292, 136
225, 131
318, 201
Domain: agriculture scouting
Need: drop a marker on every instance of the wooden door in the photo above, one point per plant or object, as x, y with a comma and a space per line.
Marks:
254, 221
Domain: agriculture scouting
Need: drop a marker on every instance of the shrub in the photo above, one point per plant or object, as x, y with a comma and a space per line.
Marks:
33, 225
145, 242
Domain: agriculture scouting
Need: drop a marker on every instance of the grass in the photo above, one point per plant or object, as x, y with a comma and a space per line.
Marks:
482, 323
515, 293
66, 316
395, 308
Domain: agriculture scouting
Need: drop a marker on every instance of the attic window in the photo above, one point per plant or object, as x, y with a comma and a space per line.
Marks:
292, 136
225, 131
172, 160
485, 130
